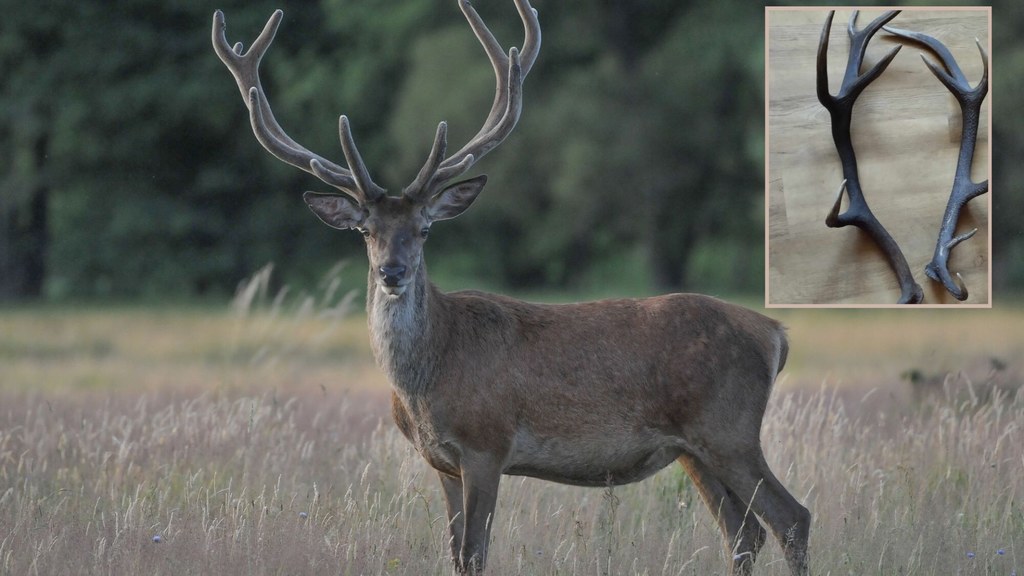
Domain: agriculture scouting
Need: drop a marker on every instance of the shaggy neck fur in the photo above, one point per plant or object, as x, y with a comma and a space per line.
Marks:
400, 330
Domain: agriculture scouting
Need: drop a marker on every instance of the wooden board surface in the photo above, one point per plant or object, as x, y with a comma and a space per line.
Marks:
906, 133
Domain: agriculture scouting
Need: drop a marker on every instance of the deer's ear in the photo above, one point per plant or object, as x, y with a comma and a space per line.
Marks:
335, 210
454, 199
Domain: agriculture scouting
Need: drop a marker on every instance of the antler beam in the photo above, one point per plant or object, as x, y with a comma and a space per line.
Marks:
354, 181
509, 71
840, 108
964, 189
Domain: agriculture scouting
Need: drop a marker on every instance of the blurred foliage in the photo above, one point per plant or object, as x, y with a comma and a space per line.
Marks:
1007, 83
129, 168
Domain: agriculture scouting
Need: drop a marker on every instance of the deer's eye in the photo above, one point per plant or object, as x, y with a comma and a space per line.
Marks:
425, 232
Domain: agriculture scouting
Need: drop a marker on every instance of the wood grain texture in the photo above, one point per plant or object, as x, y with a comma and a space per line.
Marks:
906, 132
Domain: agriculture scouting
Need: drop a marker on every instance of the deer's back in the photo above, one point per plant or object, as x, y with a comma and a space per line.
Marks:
638, 354
616, 334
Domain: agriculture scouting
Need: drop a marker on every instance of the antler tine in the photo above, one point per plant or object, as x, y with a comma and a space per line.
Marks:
262, 121
244, 67
496, 54
874, 26
984, 62
509, 71
956, 287
832, 220
964, 189
355, 162
824, 96
483, 143
935, 46
425, 177
950, 74
840, 109
851, 26
531, 40
858, 48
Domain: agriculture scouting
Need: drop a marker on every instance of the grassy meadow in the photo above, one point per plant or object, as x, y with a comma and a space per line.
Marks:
257, 439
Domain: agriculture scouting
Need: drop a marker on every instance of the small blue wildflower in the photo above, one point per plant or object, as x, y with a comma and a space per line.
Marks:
157, 539
1001, 552
970, 555
303, 515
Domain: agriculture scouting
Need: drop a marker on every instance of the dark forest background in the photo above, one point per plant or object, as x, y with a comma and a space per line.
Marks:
128, 169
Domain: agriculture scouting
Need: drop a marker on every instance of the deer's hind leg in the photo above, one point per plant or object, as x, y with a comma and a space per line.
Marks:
751, 480
743, 534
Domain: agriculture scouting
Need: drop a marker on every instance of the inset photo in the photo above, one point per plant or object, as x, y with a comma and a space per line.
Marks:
878, 157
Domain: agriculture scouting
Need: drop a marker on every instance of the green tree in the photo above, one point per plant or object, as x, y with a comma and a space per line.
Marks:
30, 47
1007, 146
612, 152
128, 168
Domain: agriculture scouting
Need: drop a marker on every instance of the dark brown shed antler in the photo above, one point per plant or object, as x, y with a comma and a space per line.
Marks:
840, 108
354, 180
964, 189
509, 71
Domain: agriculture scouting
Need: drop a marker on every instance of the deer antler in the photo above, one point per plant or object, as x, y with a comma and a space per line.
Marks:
509, 71
354, 181
964, 189
840, 108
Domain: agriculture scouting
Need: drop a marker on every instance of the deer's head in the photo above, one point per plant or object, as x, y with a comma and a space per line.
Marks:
395, 227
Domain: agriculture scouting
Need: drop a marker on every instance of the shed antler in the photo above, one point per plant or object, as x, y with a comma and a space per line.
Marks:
964, 189
354, 180
509, 71
840, 108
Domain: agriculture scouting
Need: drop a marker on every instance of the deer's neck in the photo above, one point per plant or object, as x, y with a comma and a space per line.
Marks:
403, 332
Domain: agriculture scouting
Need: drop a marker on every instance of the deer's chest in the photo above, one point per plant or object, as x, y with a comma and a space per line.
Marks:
421, 427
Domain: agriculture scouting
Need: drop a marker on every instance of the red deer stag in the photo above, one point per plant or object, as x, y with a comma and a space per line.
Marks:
593, 394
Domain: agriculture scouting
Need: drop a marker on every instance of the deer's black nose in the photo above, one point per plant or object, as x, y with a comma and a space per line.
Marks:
392, 275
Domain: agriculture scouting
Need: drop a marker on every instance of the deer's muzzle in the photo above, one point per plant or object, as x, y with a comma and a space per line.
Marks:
392, 276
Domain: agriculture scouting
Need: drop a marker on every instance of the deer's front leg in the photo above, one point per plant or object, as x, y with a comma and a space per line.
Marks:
452, 486
480, 478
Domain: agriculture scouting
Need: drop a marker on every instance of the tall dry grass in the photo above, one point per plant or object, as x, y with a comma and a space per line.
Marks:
268, 484
287, 463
